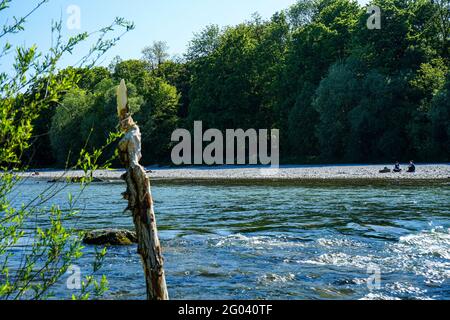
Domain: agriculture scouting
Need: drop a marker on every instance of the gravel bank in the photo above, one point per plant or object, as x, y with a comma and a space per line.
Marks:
429, 172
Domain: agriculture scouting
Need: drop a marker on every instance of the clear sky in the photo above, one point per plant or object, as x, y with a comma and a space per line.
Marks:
173, 21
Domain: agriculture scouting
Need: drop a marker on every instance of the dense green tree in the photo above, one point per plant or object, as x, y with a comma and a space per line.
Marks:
337, 90
440, 124
177, 74
90, 77
203, 43
336, 96
133, 71
158, 114
322, 34
375, 132
65, 133
232, 87
159, 118
418, 60
85, 119
156, 54
428, 81
40, 151
302, 121
302, 13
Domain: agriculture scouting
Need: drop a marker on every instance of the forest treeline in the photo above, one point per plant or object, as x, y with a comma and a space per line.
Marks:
337, 90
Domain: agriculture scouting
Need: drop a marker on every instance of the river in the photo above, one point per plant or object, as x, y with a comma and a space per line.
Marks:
277, 241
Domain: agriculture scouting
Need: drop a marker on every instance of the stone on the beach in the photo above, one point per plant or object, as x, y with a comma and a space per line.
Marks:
75, 180
112, 237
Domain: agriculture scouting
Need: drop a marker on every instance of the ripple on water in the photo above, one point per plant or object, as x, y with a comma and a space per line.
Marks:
434, 242
255, 242
339, 242
378, 296
276, 243
406, 289
270, 278
427, 254
340, 259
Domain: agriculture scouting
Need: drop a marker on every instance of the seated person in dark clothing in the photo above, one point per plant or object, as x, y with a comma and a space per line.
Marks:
411, 167
397, 167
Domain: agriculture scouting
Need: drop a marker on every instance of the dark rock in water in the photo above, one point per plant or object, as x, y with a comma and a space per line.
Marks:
112, 237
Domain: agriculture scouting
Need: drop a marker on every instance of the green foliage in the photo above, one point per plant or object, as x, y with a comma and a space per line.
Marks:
321, 35
86, 117
336, 90
66, 124
232, 86
134, 71
440, 122
178, 75
157, 104
37, 244
374, 87
159, 119
204, 43
429, 80
156, 54
333, 127
90, 117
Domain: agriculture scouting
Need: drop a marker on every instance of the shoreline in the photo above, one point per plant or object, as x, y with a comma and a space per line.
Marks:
297, 174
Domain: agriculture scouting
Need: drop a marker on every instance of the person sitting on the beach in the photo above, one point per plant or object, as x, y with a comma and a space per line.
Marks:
385, 170
412, 166
397, 167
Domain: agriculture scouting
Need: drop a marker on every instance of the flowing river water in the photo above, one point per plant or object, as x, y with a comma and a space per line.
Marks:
272, 241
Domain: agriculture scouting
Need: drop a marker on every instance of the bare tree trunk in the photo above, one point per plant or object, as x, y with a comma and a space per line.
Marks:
140, 202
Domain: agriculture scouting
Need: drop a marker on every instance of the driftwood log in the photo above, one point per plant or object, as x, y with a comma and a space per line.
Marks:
140, 201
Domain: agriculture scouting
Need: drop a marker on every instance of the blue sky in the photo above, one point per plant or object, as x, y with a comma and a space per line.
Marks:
173, 21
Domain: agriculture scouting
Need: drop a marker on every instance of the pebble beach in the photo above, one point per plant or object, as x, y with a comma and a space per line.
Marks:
428, 172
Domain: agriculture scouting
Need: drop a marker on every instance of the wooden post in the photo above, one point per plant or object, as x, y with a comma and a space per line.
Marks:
140, 201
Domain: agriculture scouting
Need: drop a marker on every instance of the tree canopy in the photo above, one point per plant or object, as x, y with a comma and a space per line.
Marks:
338, 91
